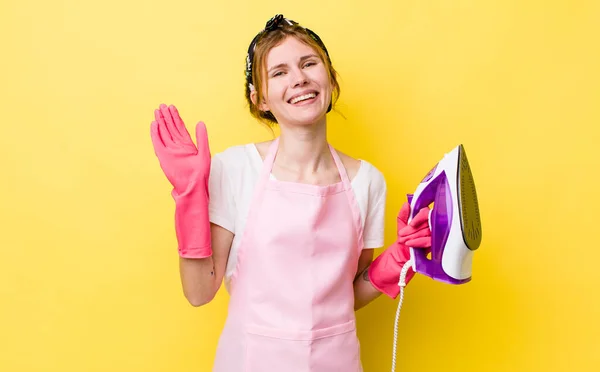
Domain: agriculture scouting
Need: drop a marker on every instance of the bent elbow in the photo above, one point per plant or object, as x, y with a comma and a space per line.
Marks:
199, 300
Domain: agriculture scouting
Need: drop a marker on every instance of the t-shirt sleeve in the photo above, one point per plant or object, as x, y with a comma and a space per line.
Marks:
373, 232
221, 206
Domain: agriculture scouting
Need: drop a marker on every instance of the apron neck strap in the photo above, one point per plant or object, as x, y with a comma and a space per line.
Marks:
270, 160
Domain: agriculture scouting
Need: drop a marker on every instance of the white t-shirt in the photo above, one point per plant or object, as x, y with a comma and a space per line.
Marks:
234, 175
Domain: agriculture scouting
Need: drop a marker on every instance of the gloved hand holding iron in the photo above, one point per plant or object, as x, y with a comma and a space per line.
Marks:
187, 168
384, 272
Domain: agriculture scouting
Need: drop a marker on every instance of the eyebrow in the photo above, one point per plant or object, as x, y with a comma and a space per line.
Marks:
302, 59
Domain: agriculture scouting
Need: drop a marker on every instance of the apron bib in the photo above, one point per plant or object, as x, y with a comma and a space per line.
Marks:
292, 297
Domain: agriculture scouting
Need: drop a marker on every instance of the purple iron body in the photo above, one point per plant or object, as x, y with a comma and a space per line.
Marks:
454, 219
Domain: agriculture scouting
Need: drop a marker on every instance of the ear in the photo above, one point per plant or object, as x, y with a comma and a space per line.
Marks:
254, 97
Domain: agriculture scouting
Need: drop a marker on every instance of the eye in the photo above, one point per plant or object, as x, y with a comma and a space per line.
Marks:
310, 63
278, 73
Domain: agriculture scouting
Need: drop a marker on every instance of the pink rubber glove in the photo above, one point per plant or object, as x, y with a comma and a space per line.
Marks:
384, 272
188, 169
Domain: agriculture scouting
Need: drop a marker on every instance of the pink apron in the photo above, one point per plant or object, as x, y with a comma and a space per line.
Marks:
292, 297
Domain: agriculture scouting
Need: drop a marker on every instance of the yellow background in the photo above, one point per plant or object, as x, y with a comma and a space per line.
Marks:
88, 264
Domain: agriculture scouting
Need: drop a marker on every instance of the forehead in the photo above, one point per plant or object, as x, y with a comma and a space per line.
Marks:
288, 51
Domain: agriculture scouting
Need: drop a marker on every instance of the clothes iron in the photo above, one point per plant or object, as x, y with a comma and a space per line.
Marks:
454, 222
454, 219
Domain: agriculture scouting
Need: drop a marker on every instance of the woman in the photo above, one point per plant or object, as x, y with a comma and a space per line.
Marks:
290, 225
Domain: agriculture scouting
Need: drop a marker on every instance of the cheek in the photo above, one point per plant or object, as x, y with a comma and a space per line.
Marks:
323, 79
276, 90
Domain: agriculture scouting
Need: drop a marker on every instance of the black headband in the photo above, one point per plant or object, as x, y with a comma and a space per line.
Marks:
274, 23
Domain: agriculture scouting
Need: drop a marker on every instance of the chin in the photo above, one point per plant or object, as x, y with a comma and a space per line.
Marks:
309, 119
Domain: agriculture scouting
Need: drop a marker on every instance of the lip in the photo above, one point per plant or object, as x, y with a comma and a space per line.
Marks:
303, 93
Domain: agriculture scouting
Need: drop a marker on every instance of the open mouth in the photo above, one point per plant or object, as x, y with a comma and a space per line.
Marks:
304, 98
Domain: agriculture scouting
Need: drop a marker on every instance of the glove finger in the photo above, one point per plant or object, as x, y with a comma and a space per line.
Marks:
409, 230
203, 150
179, 126
421, 217
157, 142
417, 234
424, 242
202, 140
170, 124
402, 218
162, 130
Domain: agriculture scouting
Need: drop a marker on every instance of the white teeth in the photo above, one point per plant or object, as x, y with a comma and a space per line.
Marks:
303, 97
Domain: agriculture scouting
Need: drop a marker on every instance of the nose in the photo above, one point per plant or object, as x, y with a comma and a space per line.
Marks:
299, 78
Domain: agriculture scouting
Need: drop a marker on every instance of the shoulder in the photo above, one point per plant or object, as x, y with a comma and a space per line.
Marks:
235, 156
351, 164
362, 171
370, 183
262, 148
372, 174
231, 152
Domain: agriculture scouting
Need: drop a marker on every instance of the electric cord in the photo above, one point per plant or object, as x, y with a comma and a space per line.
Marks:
402, 284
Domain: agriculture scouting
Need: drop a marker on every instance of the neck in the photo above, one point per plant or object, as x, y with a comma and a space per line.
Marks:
304, 149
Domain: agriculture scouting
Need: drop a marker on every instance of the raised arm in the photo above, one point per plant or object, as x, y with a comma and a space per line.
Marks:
203, 249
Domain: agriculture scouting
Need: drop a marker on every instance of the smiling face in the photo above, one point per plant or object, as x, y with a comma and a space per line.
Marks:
296, 84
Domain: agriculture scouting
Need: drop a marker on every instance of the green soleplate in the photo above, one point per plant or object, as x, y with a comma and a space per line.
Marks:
467, 201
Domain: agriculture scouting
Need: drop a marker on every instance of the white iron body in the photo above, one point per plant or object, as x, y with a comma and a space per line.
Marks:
454, 219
